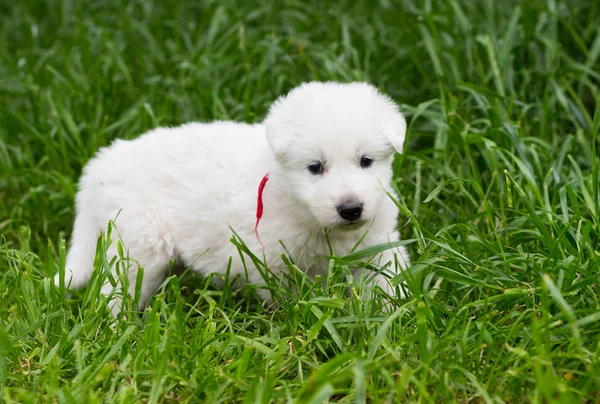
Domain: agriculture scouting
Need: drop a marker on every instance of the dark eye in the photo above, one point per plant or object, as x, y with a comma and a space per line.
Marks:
315, 168
366, 161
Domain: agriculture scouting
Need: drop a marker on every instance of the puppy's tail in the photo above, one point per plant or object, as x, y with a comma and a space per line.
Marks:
80, 258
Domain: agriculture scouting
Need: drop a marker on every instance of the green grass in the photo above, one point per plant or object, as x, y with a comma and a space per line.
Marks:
499, 191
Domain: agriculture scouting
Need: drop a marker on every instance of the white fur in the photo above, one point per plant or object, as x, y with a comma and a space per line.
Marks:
176, 191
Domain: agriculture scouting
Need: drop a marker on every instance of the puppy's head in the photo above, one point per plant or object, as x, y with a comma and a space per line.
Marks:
335, 144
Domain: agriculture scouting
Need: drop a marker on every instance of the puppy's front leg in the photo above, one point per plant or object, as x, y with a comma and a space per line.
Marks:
398, 260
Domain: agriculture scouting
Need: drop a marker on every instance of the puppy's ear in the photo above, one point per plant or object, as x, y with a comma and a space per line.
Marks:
394, 127
278, 131
278, 137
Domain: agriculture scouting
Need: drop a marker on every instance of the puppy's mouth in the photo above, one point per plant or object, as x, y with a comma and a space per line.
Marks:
350, 225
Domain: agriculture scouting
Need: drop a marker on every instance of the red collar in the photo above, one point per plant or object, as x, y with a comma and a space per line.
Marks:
259, 206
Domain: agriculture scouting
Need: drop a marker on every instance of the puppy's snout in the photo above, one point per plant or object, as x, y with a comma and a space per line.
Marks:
350, 211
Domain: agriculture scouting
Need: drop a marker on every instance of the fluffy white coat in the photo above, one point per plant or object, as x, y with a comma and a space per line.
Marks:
175, 192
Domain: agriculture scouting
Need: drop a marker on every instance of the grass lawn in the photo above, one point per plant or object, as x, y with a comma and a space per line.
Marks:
499, 200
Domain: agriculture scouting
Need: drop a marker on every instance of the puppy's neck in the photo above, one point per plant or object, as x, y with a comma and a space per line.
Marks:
279, 204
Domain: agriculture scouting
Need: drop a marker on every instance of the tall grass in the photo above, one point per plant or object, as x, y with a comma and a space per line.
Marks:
498, 193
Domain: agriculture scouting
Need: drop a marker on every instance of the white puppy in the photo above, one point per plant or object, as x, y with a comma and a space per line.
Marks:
176, 193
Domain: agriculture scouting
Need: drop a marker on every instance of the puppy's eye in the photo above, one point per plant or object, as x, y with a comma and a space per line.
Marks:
366, 161
315, 168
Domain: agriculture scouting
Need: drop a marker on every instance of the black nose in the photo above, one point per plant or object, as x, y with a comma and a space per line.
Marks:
350, 211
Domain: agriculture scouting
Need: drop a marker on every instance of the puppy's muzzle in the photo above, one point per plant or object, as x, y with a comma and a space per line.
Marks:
350, 211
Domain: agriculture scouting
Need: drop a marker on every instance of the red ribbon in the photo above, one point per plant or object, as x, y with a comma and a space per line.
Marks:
259, 206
